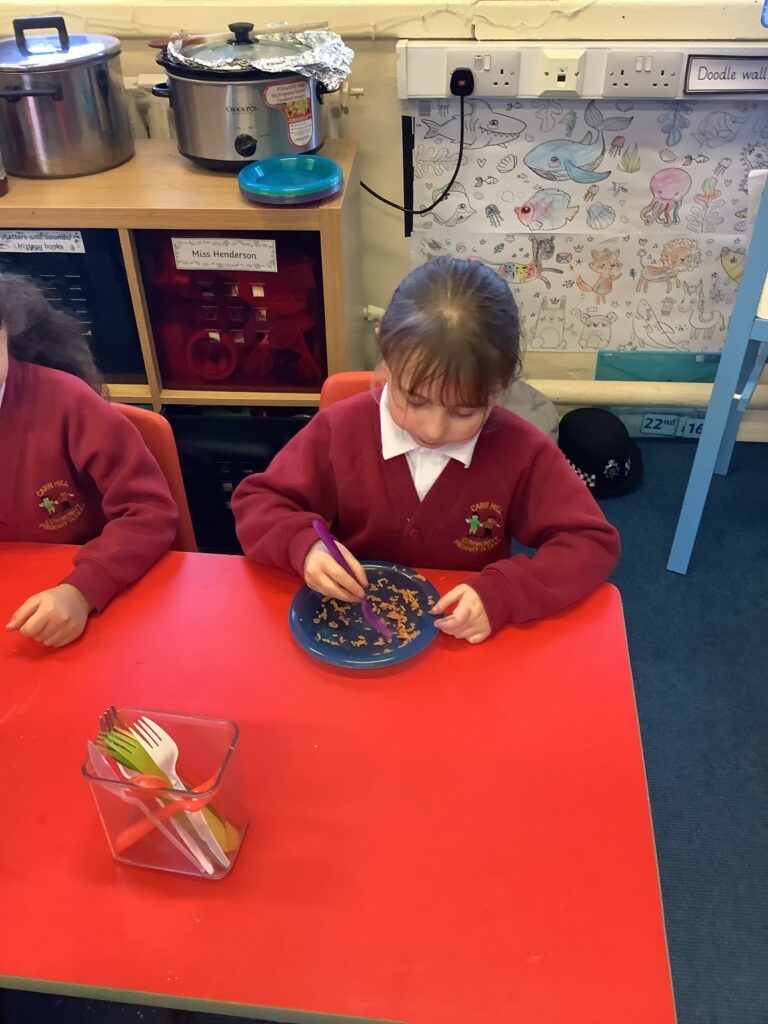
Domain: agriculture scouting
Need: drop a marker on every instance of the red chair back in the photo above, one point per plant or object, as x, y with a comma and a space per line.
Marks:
344, 385
158, 437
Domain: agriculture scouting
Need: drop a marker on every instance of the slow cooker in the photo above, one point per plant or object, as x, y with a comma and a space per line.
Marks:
228, 111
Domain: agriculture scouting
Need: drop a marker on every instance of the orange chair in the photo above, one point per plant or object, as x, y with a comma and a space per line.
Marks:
158, 437
344, 385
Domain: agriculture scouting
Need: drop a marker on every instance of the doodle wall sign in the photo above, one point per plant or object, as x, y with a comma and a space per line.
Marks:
618, 225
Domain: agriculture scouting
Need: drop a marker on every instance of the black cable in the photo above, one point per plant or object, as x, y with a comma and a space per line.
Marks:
444, 194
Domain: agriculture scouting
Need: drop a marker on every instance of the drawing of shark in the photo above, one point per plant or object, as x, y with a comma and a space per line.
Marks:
483, 126
564, 158
649, 330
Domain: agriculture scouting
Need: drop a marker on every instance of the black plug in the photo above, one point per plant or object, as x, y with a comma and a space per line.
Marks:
462, 82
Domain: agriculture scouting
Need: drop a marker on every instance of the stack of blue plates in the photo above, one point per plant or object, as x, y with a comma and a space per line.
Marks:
289, 180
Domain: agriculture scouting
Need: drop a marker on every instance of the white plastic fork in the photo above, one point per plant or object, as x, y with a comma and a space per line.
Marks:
110, 720
164, 751
187, 848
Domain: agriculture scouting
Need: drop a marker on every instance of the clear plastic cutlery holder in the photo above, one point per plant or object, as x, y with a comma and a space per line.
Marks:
197, 831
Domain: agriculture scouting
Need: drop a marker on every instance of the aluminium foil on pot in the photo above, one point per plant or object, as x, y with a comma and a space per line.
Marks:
319, 55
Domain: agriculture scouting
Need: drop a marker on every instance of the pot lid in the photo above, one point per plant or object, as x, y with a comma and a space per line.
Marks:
239, 52
27, 52
319, 55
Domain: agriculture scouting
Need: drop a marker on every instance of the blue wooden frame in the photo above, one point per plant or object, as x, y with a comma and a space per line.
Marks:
742, 362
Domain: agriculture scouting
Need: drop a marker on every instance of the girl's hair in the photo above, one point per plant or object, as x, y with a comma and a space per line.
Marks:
38, 333
454, 323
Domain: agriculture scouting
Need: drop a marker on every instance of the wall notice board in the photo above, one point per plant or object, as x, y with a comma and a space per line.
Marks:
619, 225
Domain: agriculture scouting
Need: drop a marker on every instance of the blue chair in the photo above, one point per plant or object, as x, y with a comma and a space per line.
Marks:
741, 363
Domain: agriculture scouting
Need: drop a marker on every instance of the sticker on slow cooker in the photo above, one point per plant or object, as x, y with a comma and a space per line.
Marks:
41, 241
225, 254
292, 98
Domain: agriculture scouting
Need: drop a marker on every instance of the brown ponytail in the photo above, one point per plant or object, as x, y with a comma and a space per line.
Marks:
38, 333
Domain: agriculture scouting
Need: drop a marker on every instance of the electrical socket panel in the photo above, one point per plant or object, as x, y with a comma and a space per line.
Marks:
526, 69
495, 68
643, 72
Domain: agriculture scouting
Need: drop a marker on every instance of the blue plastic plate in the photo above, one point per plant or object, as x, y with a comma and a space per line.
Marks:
283, 180
318, 625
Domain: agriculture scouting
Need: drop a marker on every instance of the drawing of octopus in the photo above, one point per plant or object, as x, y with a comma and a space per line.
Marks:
668, 189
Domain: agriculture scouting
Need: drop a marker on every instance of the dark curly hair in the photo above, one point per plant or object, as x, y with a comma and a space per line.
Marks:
454, 322
38, 333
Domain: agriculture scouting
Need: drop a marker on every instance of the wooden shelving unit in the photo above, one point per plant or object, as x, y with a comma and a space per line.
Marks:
130, 394
159, 189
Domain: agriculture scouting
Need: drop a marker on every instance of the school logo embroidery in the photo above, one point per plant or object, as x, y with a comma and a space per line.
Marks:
60, 505
484, 528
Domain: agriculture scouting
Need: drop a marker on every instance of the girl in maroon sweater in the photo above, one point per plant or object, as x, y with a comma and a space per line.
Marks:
73, 470
430, 472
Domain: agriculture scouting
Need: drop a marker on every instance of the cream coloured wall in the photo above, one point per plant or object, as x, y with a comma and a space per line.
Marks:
372, 29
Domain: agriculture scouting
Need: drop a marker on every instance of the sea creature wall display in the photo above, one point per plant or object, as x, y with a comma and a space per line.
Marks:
617, 224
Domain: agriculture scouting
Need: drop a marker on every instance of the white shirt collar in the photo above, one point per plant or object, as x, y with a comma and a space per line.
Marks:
396, 441
2, 392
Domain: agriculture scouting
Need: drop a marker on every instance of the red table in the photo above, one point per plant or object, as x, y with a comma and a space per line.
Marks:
463, 840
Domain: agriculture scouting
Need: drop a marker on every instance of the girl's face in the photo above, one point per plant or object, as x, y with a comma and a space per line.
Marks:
430, 423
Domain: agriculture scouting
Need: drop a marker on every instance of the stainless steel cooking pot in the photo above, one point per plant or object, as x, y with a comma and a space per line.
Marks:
62, 102
228, 113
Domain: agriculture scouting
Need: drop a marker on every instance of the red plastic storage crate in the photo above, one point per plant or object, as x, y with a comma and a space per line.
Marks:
253, 330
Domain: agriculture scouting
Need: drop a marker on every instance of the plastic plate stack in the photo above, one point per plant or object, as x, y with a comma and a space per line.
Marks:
290, 180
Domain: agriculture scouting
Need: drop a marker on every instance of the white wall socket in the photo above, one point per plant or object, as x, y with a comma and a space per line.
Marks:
495, 69
560, 71
643, 72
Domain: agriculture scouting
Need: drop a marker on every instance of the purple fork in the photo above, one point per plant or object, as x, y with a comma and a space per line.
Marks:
369, 614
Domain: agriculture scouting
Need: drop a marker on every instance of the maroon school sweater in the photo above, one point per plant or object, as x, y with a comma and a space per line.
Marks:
75, 471
518, 485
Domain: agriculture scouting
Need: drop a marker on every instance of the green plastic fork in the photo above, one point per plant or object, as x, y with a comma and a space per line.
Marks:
126, 749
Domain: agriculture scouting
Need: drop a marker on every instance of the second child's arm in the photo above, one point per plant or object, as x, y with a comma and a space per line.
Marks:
142, 520
142, 517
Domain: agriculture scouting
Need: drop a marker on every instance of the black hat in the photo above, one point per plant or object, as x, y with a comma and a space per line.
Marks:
598, 446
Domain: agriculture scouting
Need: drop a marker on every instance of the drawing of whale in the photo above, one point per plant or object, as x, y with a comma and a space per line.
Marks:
562, 159
482, 127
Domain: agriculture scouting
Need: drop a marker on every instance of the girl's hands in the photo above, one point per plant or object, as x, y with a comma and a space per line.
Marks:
467, 621
324, 574
53, 617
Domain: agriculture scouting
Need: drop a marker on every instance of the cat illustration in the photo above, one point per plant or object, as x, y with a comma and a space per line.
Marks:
550, 324
605, 263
